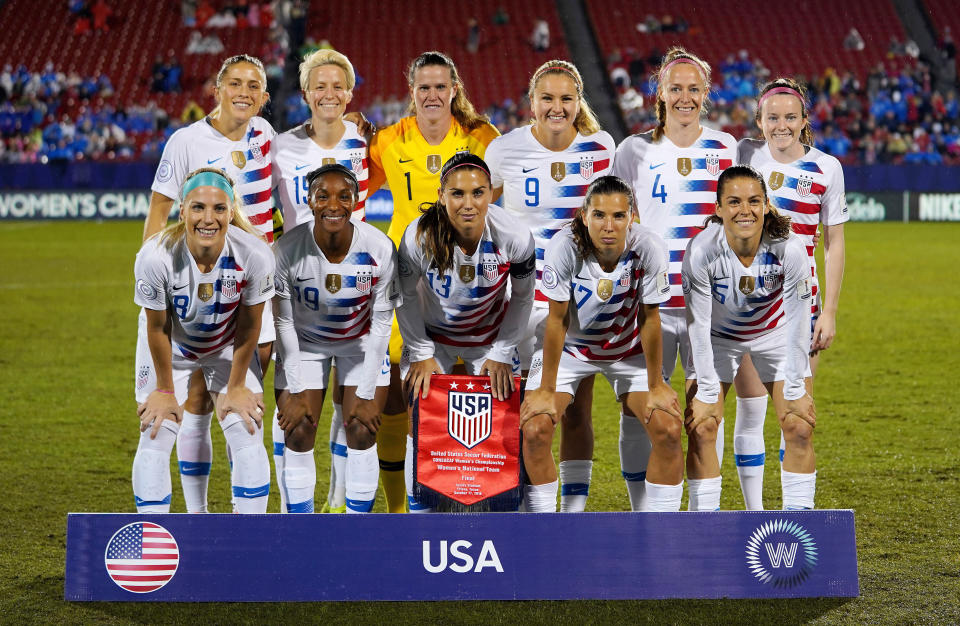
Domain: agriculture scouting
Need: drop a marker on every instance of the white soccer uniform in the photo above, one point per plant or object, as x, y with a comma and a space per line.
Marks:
543, 190
759, 310
296, 155
604, 332
472, 311
810, 191
203, 306
676, 190
327, 309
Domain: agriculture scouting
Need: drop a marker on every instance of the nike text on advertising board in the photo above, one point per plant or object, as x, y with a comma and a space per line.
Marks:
939, 207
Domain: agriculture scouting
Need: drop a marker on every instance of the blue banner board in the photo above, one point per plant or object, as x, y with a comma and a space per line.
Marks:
493, 556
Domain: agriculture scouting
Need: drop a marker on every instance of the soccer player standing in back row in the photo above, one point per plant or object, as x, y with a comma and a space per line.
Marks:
805, 185
408, 157
673, 170
234, 139
543, 171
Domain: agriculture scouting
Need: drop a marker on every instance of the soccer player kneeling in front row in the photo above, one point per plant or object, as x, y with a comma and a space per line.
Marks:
214, 274
747, 284
605, 276
336, 291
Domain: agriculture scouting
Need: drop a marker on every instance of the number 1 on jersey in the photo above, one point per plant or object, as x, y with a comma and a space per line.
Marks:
409, 190
659, 193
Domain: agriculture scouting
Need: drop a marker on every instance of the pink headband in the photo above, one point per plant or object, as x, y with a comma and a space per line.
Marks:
559, 68
786, 90
666, 67
444, 177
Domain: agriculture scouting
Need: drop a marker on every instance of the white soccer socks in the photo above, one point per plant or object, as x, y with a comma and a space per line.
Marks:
704, 494
749, 449
195, 455
412, 503
575, 485
635, 450
299, 480
151, 469
250, 475
719, 443
540, 498
798, 490
338, 461
279, 447
362, 480
663, 498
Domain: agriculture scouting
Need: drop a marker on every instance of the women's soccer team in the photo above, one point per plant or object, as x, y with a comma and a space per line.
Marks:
548, 253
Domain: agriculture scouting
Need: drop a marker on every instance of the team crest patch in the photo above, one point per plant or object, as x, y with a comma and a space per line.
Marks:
364, 281
469, 417
328, 161
558, 171
356, 162
257, 153
143, 375
433, 163
770, 280
239, 159
586, 167
747, 285
803, 186
467, 273
205, 291
228, 288
713, 164
625, 277
333, 283
684, 165
775, 181
605, 288
491, 271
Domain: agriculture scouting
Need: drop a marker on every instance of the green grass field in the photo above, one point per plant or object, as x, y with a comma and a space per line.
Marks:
887, 439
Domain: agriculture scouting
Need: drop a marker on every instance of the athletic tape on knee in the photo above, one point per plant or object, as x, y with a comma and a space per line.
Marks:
299, 480
150, 475
251, 468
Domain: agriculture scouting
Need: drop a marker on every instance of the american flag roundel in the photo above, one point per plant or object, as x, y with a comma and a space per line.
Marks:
142, 557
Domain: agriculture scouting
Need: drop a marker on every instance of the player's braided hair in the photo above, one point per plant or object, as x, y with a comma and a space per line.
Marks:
435, 233
461, 107
603, 186
674, 54
586, 121
175, 233
775, 224
806, 133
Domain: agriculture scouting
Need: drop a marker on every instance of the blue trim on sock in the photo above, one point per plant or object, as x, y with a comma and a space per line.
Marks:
141, 502
797, 508
575, 489
414, 505
750, 460
781, 454
251, 492
338, 449
300, 507
278, 447
635, 476
360, 506
194, 468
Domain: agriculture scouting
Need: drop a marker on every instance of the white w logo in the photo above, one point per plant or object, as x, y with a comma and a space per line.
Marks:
781, 554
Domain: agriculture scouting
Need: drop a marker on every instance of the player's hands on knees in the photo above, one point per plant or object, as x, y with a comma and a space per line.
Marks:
367, 412
823, 332
661, 397
700, 412
160, 405
418, 376
294, 410
804, 408
538, 402
244, 403
501, 378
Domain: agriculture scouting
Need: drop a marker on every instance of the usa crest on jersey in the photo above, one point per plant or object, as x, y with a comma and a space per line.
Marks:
257, 153
713, 164
228, 287
491, 271
356, 162
625, 277
364, 280
803, 186
586, 167
469, 417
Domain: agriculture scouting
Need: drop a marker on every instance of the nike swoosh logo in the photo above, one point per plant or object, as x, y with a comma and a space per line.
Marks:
300, 280
212, 161
183, 286
582, 277
405, 161
653, 167
526, 171
300, 167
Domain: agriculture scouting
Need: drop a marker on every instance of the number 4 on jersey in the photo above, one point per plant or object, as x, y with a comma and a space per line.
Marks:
660, 192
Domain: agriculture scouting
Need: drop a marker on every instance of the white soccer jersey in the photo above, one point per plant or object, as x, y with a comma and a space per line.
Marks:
810, 190
474, 304
603, 322
247, 162
296, 155
333, 303
727, 300
676, 188
203, 306
543, 189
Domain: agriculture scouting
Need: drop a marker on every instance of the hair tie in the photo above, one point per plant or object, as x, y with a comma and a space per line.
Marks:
476, 165
666, 67
207, 179
785, 90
